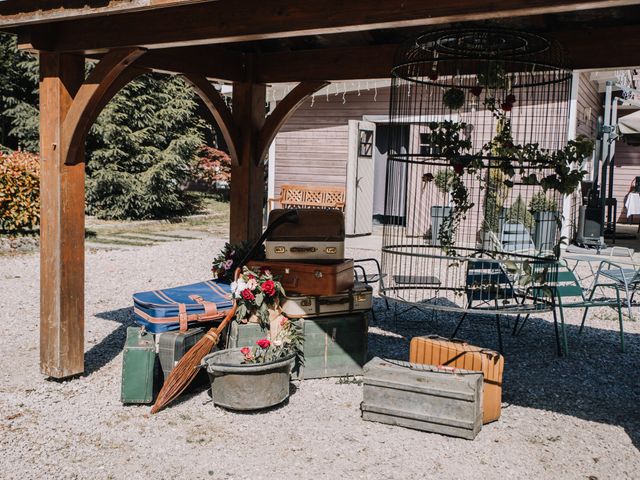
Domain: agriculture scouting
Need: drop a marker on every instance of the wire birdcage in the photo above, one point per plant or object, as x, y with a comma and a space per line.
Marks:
476, 114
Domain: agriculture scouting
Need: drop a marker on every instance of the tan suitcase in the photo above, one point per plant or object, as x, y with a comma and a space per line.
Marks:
434, 350
359, 298
318, 235
310, 278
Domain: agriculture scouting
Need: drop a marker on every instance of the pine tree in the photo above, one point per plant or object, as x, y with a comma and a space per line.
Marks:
18, 97
141, 151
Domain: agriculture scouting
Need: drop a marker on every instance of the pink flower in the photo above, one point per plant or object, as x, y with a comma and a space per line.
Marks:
284, 321
269, 288
227, 265
246, 351
247, 295
263, 343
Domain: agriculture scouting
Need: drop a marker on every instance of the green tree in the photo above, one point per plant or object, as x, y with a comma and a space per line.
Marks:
142, 149
18, 96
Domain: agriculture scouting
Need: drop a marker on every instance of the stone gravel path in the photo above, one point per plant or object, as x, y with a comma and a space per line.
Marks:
576, 417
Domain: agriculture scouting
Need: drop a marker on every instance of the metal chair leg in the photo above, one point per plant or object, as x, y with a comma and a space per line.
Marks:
584, 318
555, 325
620, 321
515, 326
458, 325
563, 330
500, 347
626, 291
524, 321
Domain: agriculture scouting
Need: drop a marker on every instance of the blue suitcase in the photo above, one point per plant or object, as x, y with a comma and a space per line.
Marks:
180, 308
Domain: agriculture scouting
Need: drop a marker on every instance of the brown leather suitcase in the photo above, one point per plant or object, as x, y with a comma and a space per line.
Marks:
310, 278
435, 350
318, 235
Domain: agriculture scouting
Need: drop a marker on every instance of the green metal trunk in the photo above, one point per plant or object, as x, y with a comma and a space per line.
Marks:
334, 346
140, 368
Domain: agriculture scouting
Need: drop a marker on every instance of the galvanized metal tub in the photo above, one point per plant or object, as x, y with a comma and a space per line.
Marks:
238, 386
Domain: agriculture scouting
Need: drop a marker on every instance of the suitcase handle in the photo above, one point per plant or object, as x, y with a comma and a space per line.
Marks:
334, 301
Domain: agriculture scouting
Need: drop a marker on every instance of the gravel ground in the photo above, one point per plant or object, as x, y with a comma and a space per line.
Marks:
575, 417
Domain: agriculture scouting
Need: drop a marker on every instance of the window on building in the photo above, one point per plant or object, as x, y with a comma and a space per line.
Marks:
365, 148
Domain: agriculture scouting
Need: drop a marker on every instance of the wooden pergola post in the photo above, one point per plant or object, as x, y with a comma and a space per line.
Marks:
61, 222
247, 171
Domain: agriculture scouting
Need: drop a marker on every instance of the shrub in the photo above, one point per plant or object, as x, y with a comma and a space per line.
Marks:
213, 168
19, 192
443, 180
518, 213
541, 203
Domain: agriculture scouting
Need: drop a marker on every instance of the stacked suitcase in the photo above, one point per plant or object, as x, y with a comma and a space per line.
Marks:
308, 259
170, 322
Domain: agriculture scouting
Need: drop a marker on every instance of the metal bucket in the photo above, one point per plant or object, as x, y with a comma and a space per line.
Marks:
238, 386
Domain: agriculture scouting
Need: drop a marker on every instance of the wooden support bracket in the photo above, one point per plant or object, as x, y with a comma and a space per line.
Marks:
221, 113
92, 94
282, 113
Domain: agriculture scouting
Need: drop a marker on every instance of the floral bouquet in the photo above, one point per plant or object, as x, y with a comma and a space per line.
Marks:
286, 342
259, 294
226, 262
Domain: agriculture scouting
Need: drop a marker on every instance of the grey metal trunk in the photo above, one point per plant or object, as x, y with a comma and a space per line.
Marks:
423, 397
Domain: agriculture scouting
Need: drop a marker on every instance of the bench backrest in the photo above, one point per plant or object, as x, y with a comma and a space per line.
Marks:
305, 196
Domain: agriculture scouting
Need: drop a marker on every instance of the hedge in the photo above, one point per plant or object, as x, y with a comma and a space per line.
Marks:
19, 192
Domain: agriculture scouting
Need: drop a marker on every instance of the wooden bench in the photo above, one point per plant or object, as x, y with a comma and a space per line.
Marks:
307, 196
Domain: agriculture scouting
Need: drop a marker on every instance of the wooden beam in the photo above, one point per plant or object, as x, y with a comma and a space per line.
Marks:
283, 111
61, 224
343, 63
83, 111
221, 113
21, 12
247, 176
587, 48
226, 21
206, 61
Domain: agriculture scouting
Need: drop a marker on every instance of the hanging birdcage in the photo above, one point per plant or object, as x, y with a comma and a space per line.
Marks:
477, 167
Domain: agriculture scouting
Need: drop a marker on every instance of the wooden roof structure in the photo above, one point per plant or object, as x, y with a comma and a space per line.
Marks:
247, 43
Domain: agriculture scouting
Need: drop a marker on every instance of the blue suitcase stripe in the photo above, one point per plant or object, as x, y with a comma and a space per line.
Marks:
158, 310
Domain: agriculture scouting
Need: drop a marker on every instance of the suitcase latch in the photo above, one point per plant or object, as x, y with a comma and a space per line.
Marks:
306, 302
279, 249
318, 274
331, 250
361, 297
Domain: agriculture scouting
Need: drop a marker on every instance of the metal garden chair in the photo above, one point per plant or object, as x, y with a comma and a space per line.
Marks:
487, 283
563, 290
627, 278
362, 275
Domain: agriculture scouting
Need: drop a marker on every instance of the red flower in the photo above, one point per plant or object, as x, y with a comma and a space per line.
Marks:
458, 168
264, 343
251, 277
477, 90
246, 351
269, 288
247, 295
506, 106
511, 98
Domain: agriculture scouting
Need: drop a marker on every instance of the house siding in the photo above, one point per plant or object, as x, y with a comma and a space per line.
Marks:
312, 147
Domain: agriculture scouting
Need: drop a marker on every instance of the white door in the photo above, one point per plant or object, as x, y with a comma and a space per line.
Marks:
360, 178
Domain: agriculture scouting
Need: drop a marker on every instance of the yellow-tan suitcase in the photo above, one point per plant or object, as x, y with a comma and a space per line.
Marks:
438, 351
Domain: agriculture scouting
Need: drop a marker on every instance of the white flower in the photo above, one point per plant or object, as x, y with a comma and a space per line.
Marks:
238, 287
252, 284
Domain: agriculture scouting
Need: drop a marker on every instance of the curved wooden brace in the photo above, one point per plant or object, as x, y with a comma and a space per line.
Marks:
282, 113
128, 75
220, 111
84, 108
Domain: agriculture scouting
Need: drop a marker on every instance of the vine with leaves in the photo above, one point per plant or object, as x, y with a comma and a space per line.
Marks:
452, 142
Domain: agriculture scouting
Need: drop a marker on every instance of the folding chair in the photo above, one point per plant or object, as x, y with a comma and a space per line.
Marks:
627, 278
563, 289
361, 275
